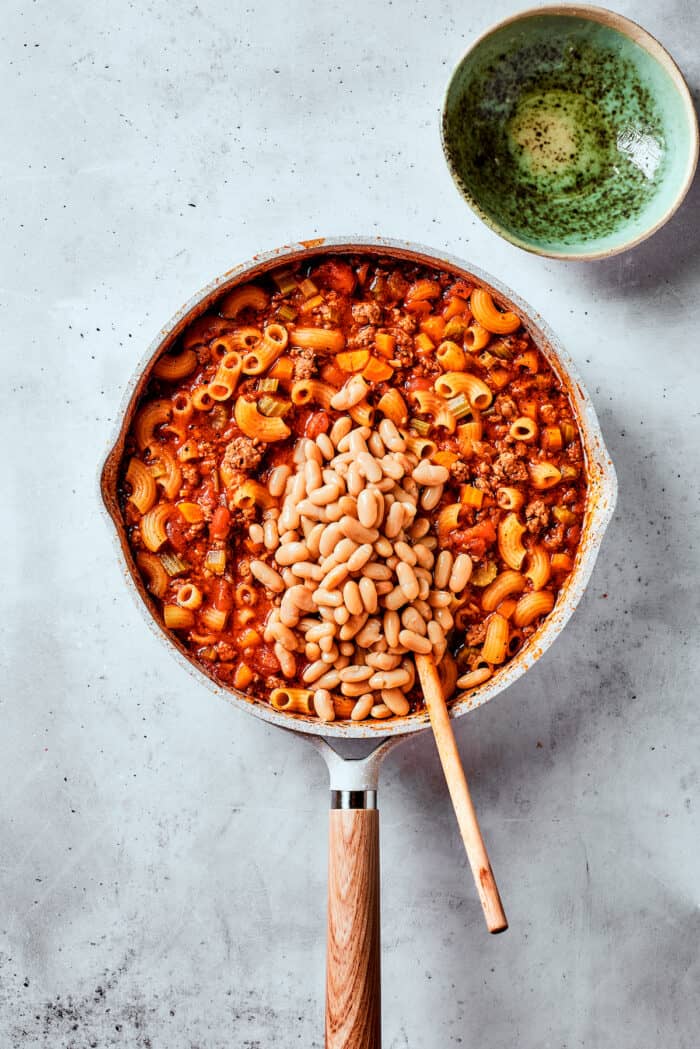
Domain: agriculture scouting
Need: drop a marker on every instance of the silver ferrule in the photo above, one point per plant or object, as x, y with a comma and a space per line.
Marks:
353, 799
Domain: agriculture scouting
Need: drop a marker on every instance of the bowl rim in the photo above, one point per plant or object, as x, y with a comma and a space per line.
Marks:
638, 35
602, 479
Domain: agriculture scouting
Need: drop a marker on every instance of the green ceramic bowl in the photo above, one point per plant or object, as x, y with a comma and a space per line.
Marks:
570, 131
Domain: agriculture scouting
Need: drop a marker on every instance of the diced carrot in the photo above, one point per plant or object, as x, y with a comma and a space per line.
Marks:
444, 458
377, 371
499, 377
423, 343
434, 327
282, 369
528, 360
243, 676
454, 307
529, 408
507, 607
249, 638
472, 496
385, 343
192, 512
561, 563
551, 438
352, 360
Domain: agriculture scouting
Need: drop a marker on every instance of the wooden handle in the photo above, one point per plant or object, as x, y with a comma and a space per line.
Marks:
353, 1007
496, 920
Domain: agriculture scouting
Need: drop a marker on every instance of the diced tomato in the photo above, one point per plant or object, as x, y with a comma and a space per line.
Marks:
461, 289
418, 307
223, 595
475, 540
418, 382
177, 527
336, 275
220, 523
318, 422
262, 659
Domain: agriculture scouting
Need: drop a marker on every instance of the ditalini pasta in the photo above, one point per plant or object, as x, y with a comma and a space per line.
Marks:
346, 463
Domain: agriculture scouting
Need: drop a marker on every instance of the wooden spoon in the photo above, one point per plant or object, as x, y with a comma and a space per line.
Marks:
494, 914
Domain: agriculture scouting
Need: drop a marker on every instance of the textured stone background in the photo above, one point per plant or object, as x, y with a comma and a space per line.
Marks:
162, 857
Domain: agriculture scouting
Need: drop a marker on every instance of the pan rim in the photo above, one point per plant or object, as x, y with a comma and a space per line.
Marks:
601, 500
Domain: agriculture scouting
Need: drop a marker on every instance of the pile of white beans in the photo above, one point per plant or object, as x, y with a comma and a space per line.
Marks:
351, 558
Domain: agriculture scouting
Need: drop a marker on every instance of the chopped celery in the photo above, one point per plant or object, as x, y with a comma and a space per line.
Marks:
420, 426
285, 281
268, 385
173, 564
286, 312
459, 406
215, 561
272, 407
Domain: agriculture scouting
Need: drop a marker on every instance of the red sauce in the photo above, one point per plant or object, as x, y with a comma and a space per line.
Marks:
200, 462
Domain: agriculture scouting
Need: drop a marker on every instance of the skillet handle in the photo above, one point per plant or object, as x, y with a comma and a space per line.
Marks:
353, 1005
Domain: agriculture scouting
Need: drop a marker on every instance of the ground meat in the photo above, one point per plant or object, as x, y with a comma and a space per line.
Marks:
403, 321
241, 454
428, 365
203, 355
362, 339
304, 363
484, 485
276, 682
226, 651
536, 516
460, 472
506, 406
554, 540
573, 453
367, 313
508, 469
476, 634
548, 414
404, 349
190, 473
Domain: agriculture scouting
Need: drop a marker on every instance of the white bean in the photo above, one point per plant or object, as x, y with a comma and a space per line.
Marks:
363, 707
326, 446
353, 598
427, 473
267, 576
443, 567
461, 573
368, 593
414, 642
431, 497
323, 704
286, 660
396, 701
277, 480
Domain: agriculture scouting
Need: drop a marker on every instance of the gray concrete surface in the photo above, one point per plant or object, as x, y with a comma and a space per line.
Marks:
162, 857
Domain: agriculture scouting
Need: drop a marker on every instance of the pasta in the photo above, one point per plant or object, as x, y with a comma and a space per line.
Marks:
346, 463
